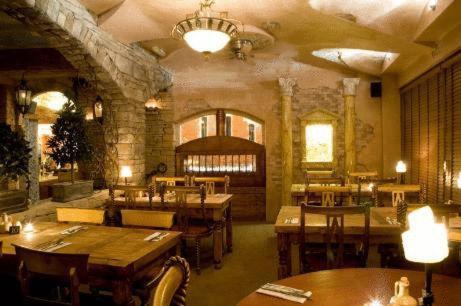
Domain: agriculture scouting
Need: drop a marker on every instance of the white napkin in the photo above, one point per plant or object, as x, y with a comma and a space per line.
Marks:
150, 237
72, 230
278, 291
56, 247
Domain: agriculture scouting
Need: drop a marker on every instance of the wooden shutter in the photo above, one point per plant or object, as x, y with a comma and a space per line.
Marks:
433, 166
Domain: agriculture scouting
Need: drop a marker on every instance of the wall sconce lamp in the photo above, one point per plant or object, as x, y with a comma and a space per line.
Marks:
425, 242
153, 104
433, 4
23, 97
125, 172
97, 109
401, 169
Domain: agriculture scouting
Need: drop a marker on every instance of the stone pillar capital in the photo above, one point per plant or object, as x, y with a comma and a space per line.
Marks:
286, 86
350, 86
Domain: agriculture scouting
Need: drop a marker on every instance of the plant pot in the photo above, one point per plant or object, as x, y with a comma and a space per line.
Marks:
13, 185
66, 191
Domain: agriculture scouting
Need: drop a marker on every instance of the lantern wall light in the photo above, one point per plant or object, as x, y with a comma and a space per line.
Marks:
97, 109
23, 97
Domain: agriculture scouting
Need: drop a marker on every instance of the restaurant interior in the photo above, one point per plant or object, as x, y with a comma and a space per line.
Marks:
219, 153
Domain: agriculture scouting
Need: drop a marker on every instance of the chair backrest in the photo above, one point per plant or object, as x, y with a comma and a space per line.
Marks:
170, 181
131, 192
183, 213
329, 194
355, 176
80, 215
397, 196
210, 183
71, 269
442, 212
173, 280
147, 218
325, 181
334, 229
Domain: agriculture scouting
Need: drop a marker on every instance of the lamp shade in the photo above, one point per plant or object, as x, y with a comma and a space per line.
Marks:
125, 171
459, 180
401, 167
425, 241
206, 41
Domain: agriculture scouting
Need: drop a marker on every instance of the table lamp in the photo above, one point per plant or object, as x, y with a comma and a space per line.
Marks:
425, 242
125, 172
401, 169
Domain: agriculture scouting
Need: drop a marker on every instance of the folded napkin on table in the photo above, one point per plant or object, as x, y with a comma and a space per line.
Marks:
286, 293
72, 230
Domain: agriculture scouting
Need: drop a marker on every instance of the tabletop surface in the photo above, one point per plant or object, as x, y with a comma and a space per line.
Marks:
352, 223
112, 246
215, 201
355, 287
299, 189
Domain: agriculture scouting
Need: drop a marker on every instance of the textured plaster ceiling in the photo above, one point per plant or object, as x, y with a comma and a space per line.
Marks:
391, 26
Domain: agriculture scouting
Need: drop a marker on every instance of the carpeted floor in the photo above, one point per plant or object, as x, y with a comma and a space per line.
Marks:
252, 263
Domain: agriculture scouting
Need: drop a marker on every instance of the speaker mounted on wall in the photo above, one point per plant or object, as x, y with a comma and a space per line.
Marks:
376, 89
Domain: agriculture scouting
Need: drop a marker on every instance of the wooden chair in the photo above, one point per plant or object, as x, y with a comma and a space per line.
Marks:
193, 229
132, 195
354, 177
147, 218
170, 181
80, 215
58, 270
330, 195
334, 251
210, 183
401, 192
171, 283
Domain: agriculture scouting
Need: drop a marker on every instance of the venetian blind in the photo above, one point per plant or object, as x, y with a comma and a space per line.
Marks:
431, 131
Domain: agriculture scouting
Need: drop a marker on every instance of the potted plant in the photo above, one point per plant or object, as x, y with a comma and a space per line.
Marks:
69, 145
14, 163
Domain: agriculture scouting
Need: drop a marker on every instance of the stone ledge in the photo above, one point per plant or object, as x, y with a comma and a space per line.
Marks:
45, 210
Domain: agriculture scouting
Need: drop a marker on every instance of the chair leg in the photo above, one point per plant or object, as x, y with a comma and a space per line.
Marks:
197, 254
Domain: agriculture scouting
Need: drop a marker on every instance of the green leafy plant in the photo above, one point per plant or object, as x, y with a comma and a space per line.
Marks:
14, 154
69, 143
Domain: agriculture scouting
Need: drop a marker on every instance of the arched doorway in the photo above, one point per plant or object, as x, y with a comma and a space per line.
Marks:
49, 103
217, 143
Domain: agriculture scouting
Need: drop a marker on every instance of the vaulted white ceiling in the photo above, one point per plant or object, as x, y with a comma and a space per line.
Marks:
398, 27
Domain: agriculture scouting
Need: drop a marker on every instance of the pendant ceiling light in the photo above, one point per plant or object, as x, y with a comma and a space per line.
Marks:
206, 31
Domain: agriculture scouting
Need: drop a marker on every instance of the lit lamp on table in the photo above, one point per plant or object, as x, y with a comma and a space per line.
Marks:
425, 242
125, 172
401, 169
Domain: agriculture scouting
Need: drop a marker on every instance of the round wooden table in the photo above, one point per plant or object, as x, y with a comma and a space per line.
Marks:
355, 287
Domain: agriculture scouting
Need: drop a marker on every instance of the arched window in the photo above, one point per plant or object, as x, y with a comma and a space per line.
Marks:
237, 124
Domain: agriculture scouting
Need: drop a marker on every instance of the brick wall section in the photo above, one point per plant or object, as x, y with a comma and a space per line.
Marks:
127, 75
160, 143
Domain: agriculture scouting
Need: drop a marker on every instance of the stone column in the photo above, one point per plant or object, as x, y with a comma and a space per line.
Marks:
31, 134
220, 122
349, 93
286, 88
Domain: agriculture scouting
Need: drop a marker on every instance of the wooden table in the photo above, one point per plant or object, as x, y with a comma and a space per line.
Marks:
298, 191
218, 205
380, 230
354, 287
118, 256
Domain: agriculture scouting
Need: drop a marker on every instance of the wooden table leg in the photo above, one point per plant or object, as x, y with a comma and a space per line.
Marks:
121, 290
283, 247
229, 229
217, 241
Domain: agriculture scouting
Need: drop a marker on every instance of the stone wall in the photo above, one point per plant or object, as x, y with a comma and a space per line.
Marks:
127, 75
306, 100
160, 135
